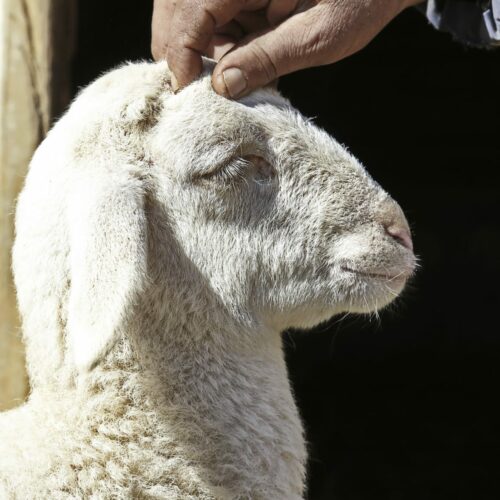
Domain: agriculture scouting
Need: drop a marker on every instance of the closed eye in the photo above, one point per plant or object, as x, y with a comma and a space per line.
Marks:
248, 168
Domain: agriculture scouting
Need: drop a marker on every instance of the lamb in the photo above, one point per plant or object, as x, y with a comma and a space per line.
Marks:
163, 242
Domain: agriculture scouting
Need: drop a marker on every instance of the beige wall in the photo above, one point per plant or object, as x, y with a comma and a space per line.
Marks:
35, 50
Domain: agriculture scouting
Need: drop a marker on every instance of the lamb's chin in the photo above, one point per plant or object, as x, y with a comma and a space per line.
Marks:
372, 291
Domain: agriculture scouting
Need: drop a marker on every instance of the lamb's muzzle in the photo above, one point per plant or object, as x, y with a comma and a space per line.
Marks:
395, 224
400, 234
163, 243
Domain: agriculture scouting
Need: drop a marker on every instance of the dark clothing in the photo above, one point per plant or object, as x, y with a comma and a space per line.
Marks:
474, 22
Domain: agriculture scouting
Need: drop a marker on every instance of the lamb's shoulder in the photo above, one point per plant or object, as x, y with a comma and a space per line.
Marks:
76, 455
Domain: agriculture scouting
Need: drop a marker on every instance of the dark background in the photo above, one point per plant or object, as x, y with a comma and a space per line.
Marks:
404, 408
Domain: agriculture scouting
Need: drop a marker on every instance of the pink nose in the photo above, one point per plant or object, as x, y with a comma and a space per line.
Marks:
401, 234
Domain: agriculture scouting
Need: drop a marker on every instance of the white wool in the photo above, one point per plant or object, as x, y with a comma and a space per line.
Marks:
163, 242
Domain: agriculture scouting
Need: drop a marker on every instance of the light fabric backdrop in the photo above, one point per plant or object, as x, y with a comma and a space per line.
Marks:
35, 55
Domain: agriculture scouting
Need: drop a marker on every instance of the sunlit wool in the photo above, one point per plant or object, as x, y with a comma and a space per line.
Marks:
163, 243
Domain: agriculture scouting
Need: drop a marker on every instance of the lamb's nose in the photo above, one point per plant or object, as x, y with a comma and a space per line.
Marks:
393, 220
400, 233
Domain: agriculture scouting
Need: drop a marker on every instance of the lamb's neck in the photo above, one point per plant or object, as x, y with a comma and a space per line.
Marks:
210, 409
226, 401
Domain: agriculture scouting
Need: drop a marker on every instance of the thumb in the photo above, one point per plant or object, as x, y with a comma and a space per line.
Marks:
301, 41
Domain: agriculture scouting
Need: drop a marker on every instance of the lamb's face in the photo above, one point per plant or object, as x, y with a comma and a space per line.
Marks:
277, 218
179, 203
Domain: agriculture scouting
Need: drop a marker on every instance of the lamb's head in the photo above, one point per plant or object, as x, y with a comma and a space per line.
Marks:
192, 202
282, 223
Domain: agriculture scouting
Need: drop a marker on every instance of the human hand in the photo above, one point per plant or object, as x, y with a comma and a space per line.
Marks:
257, 41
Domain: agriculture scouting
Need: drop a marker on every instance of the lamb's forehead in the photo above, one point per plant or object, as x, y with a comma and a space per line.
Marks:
265, 113
200, 101
197, 114
133, 83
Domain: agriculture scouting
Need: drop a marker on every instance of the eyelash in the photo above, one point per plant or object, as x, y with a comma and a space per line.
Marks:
233, 171
237, 169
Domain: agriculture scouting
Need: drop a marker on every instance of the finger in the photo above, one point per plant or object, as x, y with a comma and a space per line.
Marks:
301, 41
220, 46
160, 24
279, 10
191, 31
252, 22
224, 40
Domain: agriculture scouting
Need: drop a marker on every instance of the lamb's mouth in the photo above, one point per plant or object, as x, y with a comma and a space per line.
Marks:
402, 276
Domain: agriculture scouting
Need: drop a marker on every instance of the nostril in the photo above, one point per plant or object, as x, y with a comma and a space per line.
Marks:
400, 234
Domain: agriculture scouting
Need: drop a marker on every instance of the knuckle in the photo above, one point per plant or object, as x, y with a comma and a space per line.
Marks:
195, 39
265, 61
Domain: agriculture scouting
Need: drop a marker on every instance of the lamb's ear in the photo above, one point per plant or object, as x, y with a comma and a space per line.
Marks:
209, 66
108, 250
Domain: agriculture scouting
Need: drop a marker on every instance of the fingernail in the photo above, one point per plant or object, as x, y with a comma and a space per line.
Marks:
173, 82
234, 81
